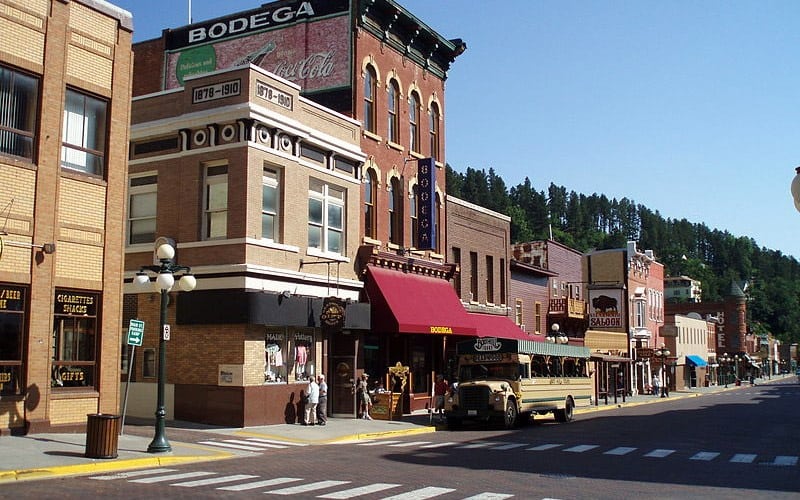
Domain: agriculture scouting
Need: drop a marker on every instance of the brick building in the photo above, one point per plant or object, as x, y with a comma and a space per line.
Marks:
375, 62
65, 71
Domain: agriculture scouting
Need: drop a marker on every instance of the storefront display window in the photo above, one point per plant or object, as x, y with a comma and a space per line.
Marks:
12, 323
290, 356
74, 339
419, 371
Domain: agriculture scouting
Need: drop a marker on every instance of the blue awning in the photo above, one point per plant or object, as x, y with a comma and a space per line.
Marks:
696, 360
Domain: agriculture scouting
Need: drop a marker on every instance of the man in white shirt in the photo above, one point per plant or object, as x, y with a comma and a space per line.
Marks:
322, 407
311, 404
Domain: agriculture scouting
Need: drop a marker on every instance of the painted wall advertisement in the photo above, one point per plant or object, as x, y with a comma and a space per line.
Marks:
305, 42
606, 308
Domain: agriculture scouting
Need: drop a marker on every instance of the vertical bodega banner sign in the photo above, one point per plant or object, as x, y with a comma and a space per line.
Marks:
426, 205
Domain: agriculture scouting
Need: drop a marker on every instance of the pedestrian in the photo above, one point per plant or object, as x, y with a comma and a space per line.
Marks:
656, 385
363, 398
313, 401
322, 406
440, 388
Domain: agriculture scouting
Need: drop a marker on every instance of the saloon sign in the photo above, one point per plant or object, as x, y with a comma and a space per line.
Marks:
605, 308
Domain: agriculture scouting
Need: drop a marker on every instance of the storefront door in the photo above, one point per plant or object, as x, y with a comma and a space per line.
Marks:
341, 379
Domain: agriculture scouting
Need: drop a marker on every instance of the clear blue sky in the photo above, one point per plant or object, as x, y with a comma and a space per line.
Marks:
689, 108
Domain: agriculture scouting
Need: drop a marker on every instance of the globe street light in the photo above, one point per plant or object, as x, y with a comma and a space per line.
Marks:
796, 189
556, 337
726, 364
662, 353
165, 279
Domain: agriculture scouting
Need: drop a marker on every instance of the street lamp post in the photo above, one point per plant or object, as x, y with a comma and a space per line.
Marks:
556, 337
663, 353
726, 364
165, 278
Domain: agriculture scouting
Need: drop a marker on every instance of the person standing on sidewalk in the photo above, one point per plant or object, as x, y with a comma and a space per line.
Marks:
440, 388
313, 401
322, 406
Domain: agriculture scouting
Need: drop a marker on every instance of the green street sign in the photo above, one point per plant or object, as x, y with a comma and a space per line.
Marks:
135, 332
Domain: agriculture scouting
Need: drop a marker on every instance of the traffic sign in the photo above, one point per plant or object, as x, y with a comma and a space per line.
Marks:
135, 332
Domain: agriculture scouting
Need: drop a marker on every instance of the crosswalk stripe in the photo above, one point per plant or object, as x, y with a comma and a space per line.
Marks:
255, 442
489, 496
274, 441
135, 473
412, 443
223, 444
544, 447
214, 480
510, 446
361, 490
439, 445
172, 477
480, 444
743, 458
660, 453
306, 487
421, 494
581, 448
620, 450
260, 484
785, 460
705, 456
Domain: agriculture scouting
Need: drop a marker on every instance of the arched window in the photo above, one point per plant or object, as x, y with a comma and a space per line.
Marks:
434, 131
413, 122
395, 212
394, 112
370, 197
370, 90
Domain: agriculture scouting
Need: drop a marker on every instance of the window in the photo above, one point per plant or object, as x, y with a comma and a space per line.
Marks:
457, 262
19, 95
83, 140
473, 272
519, 319
502, 281
12, 324
490, 279
537, 320
270, 196
326, 217
639, 305
149, 364
74, 339
413, 122
216, 202
434, 131
370, 195
370, 90
414, 217
142, 203
395, 212
438, 228
393, 107
314, 154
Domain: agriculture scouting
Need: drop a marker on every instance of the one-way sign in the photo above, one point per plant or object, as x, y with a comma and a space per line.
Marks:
135, 332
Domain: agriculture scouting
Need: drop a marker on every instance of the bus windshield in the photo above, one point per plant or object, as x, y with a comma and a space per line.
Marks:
507, 371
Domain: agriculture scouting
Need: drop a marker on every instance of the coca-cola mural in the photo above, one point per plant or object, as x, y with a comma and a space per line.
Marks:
313, 53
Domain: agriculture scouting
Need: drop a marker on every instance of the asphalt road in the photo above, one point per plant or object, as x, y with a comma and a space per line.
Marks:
734, 444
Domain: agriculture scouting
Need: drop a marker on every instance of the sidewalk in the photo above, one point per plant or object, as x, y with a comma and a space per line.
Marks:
40, 456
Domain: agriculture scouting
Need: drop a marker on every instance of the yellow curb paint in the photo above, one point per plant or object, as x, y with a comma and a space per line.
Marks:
110, 466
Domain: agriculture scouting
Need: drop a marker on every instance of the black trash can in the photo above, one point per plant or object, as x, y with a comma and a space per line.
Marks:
102, 435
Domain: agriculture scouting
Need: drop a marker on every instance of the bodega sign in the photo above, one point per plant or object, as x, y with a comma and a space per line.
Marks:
268, 16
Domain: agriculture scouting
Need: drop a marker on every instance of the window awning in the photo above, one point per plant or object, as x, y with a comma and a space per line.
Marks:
490, 325
695, 360
412, 303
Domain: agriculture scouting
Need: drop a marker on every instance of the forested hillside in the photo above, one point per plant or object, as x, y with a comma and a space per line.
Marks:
586, 222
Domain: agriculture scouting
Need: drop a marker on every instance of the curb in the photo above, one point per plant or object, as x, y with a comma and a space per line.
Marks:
341, 439
8, 476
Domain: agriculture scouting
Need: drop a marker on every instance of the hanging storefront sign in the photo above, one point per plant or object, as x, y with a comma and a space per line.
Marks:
426, 191
606, 308
333, 314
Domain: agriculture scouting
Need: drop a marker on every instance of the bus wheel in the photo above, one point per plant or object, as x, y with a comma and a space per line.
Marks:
510, 416
566, 414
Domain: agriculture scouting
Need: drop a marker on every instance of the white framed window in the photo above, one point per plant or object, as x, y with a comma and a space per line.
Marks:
142, 208
326, 217
215, 203
270, 203
639, 310
83, 138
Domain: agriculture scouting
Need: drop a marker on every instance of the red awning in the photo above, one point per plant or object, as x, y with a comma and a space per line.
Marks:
412, 303
490, 325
